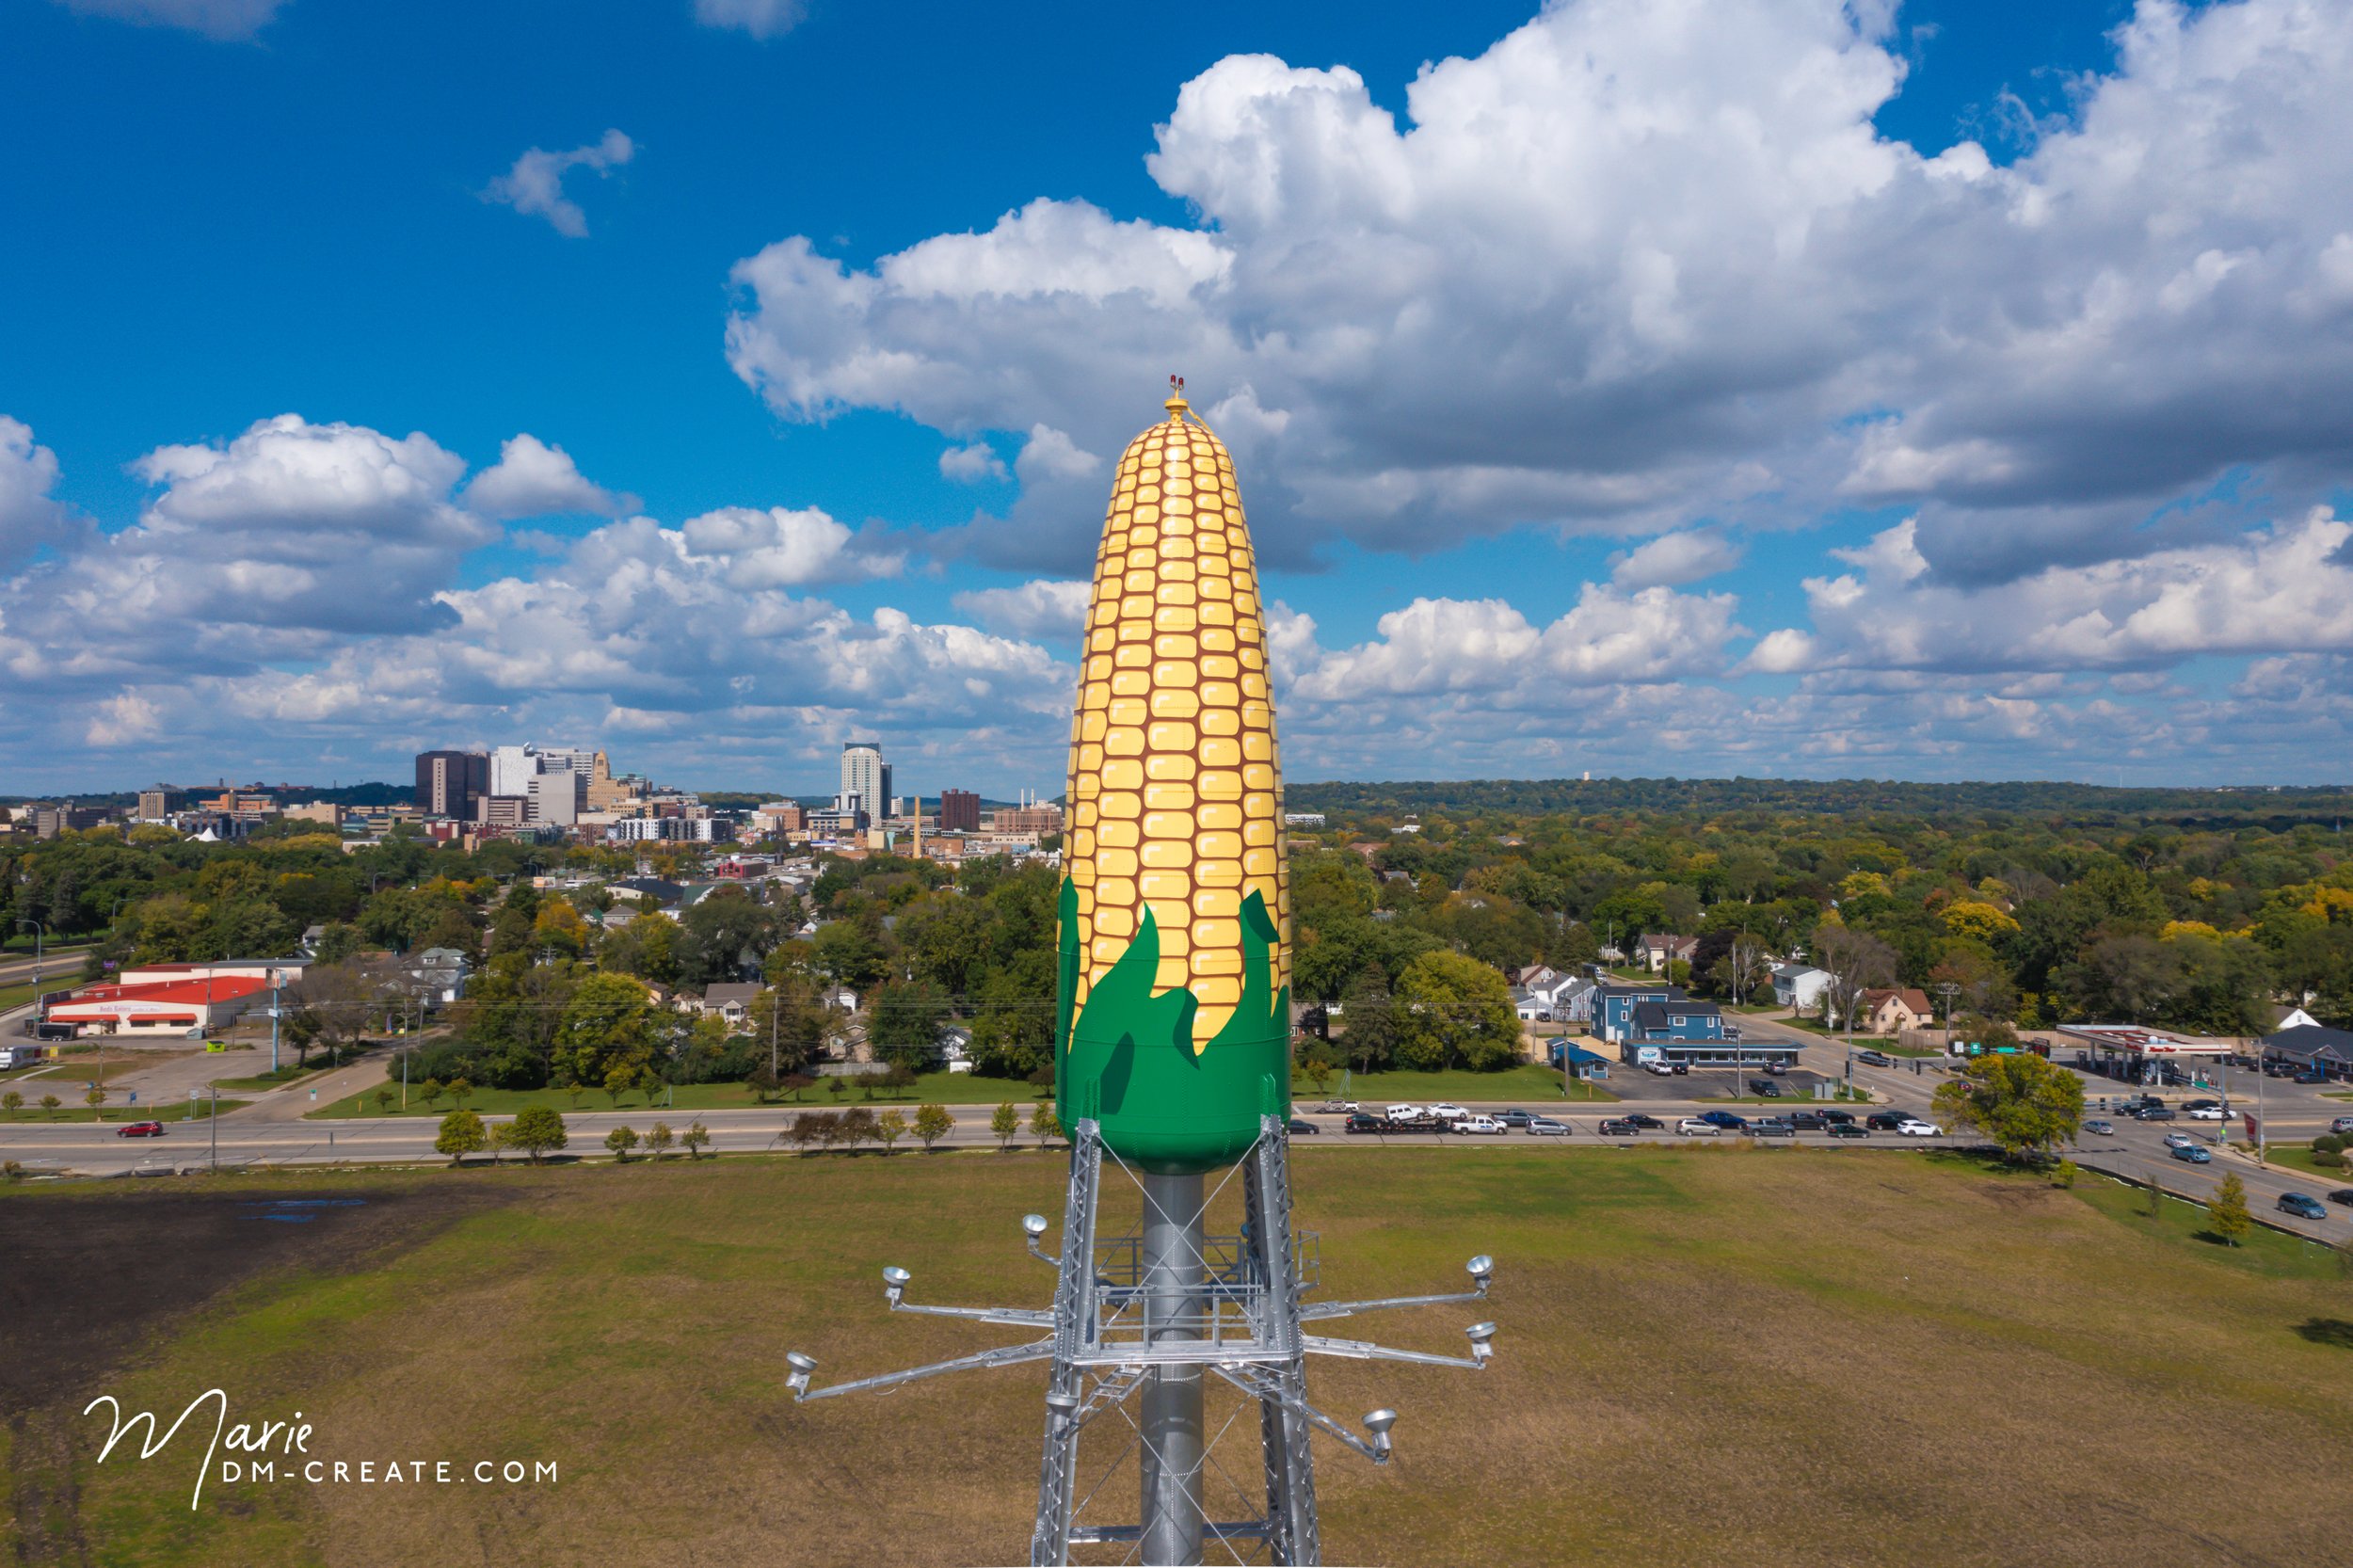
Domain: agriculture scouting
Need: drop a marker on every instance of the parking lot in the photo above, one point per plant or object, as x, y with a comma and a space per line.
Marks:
1635, 1086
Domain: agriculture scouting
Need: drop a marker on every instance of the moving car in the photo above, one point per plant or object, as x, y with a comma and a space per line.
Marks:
1847, 1129
2153, 1113
2205, 1113
1771, 1126
1912, 1126
1875, 1058
1619, 1126
2302, 1204
1835, 1117
2191, 1153
2342, 1124
1340, 1108
1479, 1125
1885, 1121
1726, 1120
1693, 1127
1362, 1123
2178, 1139
2342, 1195
1636, 1119
140, 1130
1513, 1118
1300, 1125
1545, 1126
2106, 1129
1807, 1121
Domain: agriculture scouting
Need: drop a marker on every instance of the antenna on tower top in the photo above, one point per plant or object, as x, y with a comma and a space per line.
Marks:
1175, 403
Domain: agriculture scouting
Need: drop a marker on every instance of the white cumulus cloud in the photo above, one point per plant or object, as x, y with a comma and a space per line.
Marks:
1040, 608
535, 185
534, 479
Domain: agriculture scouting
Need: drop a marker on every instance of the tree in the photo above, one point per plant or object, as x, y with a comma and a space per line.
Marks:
95, 1098
332, 1005
659, 1139
50, 1104
429, 1091
1454, 1011
384, 1099
932, 1124
855, 1126
2023, 1104
1855, 961
460, 1091
1004, 1122
461, 1134
12, 1102
695, 1139
811, 1126
536, 1129
620, 1141
1368, 1021
890, 1127
607, 1022
618, 1079
1044, 1125
796, 1084
502, 1138
906, 1020
2226, 1211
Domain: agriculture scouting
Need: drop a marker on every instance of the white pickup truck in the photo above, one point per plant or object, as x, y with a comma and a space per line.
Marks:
1475, 1125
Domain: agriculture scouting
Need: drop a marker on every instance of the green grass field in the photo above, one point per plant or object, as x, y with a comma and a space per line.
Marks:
1706, 1358
1516, 1083
73, 1110
2297, 1158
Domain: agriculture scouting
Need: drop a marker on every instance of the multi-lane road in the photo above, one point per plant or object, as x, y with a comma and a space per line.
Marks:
272, 1132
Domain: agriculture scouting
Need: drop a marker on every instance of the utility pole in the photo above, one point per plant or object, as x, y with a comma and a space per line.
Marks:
213, 1122
277, 1006
1948, 991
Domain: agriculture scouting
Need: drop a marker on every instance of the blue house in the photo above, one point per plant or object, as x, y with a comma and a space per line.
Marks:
1661, 1023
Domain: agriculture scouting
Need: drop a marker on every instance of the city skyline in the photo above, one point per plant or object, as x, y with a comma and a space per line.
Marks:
1931, 392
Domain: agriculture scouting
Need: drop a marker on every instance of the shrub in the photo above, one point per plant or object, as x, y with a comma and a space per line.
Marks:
2329, 1143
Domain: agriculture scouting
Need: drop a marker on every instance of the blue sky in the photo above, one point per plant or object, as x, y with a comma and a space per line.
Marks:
1951, 391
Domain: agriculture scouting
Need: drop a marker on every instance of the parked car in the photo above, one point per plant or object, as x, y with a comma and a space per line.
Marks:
1476, 1126
2302, 1204
1912, 1126
1885, 1121
140, 1130
1362, 1123
2205, 1113
2178, 1139
2191, 1153
2309, 1076
1725, 1120
1658, 1069
1847, 1129
1875, 1058
1405, 1112
2342, 1124
1693, 1126
2342, 1195
1636, 1119
2106, 1129
1765, 1088
1619, 1126
1545, 1127
1514, 1117
1777, 1068
1445, 1111
1300, 1125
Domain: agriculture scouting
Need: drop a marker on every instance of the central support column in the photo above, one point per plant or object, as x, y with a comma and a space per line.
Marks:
1173, 1282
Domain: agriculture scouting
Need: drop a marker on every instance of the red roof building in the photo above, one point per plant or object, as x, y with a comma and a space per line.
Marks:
160, 1007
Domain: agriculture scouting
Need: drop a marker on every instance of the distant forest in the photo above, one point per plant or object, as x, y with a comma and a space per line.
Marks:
2265, 807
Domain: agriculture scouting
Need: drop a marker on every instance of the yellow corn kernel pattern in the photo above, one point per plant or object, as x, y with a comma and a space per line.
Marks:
1176, 783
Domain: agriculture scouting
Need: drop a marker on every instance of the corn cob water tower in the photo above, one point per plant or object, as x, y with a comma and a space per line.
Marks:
1173, 1040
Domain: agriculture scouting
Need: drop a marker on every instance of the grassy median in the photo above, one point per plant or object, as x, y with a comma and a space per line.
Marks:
1719, 1357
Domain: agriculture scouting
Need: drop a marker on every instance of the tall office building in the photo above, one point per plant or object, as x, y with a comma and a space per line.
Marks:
556, 795
865, 774
959, 811
448, 782
511, 769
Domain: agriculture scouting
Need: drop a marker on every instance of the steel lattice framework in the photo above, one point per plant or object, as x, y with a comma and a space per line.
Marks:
1147, 1316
